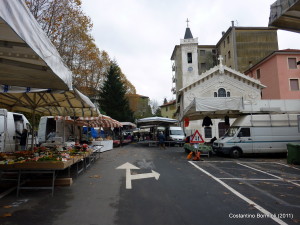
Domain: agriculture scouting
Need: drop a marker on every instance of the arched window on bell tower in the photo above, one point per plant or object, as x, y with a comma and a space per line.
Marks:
189, 57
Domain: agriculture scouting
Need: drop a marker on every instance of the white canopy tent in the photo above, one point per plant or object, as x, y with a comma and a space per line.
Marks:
48, 103
213, 107
235, 107
156, 121
27, 56
43, 102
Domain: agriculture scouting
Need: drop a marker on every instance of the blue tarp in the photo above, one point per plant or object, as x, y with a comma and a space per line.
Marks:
90, 131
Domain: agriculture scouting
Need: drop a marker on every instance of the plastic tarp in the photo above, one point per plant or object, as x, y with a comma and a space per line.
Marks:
235, 107
91, 132
27, 56
214, 107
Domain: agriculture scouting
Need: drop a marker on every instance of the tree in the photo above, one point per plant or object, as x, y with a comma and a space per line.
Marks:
154, 106
69, 29
112, 98
158, 112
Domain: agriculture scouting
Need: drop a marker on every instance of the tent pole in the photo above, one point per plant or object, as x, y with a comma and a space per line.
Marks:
33, 126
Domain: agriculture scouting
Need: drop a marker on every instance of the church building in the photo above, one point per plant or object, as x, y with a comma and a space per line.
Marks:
214, 87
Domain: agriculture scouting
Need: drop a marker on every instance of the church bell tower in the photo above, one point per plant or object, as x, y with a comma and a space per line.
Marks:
189, 57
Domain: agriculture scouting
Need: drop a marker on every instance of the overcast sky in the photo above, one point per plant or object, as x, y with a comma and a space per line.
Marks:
141, 34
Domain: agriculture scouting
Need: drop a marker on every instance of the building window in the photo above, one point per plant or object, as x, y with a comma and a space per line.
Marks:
202, 52
224, 44
228, 40
189, 57
294, 84
222, 127
222, 93
292, 63
207, 132
258, 74
229, 55
203, 66
167, 109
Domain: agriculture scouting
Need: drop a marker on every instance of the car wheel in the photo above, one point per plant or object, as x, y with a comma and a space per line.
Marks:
235, 153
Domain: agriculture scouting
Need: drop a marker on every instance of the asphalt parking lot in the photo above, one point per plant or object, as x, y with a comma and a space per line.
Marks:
218, 190
269, 185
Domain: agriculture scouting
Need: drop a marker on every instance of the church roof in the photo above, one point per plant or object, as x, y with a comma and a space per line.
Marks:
188, 33
221, 69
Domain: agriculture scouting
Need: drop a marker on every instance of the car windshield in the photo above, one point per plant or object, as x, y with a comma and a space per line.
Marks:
176, 132
231, 132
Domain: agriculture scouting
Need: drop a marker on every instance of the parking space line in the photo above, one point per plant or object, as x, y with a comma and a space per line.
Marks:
250, 202
287, 166
260, 171
289, 181
233, 178
234, 161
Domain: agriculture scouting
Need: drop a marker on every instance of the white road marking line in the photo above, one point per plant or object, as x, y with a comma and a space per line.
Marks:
280, 178
260, 171
233, 161
287, 166
261, 209
233, 178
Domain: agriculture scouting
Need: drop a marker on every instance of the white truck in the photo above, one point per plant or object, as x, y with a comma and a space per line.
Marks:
11, 126
63, 131
259, 133
175, 134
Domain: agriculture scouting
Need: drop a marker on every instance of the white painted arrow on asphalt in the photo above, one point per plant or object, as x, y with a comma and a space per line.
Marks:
129, 177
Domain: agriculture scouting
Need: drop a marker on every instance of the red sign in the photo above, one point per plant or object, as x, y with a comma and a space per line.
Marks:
186, 122
196, 138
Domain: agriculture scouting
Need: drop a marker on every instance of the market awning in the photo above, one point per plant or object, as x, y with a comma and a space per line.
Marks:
100, 121
156, 121
285, 14
47, 103
27, 56
129, 124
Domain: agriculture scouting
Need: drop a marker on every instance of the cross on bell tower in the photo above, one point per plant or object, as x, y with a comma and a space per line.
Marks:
187, 22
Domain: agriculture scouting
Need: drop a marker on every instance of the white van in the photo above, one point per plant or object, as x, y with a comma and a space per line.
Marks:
11, 127
260, 133
175, 134
64, 131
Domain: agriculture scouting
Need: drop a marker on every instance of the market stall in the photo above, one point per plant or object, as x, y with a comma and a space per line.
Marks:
44, 161
96, 131
35, 79
105, 124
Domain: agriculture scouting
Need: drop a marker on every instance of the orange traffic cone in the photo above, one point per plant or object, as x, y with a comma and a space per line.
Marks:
197, 156
190, 155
